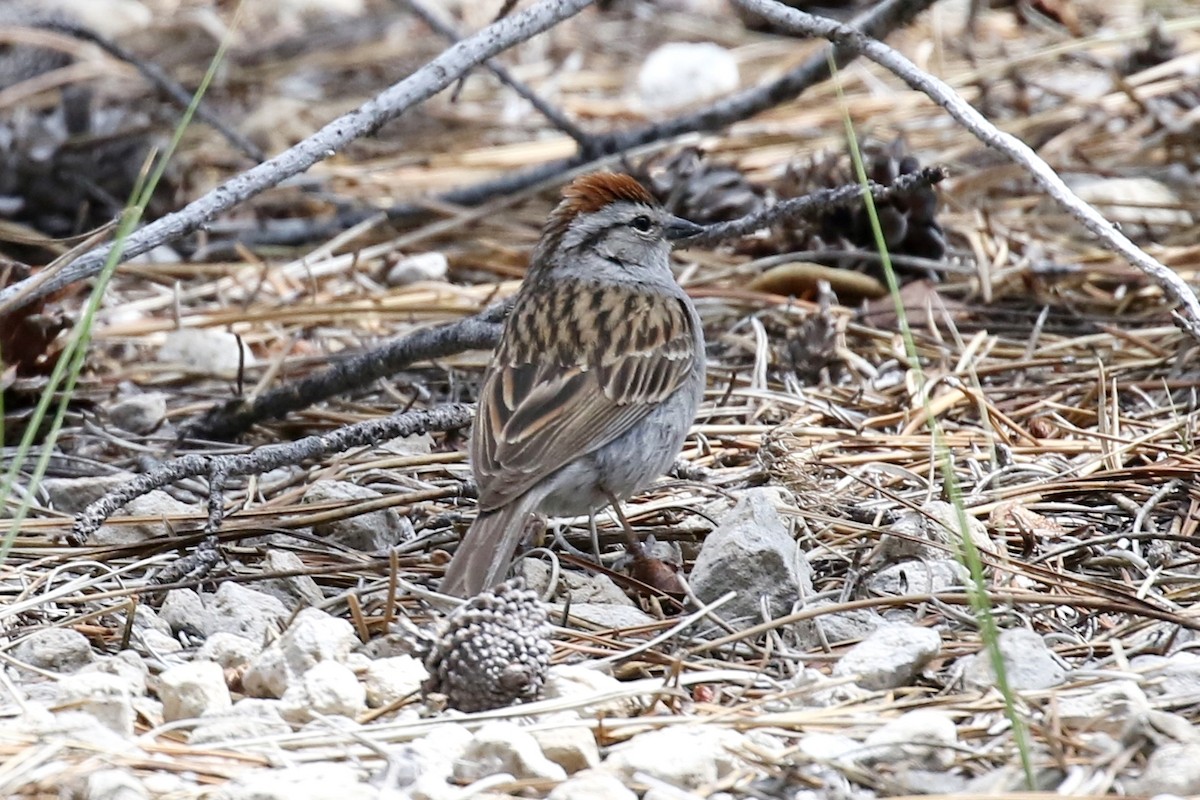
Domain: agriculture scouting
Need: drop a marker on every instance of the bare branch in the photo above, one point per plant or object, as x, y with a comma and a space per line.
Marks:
1188, 312
556, 118
878, 23
160, 80
480, 332
220, 468
421, 85
814, 204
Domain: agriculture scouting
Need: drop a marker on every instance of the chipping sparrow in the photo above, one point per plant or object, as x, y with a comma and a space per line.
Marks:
596, 378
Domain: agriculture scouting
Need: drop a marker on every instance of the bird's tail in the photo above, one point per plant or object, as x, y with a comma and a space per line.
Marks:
483, 555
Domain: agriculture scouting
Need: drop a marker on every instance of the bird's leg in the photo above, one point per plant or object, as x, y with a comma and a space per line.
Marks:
633, 545
651, 571
595, 535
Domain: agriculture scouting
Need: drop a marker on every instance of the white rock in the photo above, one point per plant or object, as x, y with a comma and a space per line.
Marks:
141, 413
325, 780
157, 505
389, 680
420, 267
192, 689
165, 784
246, 612
844, 626
572, 747
162, 254
418, 444
1109, 707
114, 784
185, 612
314, 637
229, 650
579, 587
504, 747
370, 532
681, 74
109, 18
55, 649
1028, 663
297, 591
1173, 768
890, 657
1174, 678
1139, 201
918, 576
291, 11
811, 688
587, 686
329, 688
685, 756
936, 521
104, 697
146, 618
72, 495
249, 718
925, 738
592, 784
828, 747
156, 644
603, 615
752, 552
206, 351
438, 750
126, 665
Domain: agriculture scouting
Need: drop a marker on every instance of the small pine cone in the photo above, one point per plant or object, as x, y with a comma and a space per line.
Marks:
494, 651
694, 187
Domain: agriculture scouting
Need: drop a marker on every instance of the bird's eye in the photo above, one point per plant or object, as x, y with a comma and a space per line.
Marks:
641, 223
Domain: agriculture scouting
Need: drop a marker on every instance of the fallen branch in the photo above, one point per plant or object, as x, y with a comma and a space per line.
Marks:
482, 331
218, 469
555, 117
159, 79
367, 118
1187, 314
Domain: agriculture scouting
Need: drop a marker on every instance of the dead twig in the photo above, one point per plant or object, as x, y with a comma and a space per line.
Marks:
557, 118
1187, 315
367, 118
218, 469
480, 332
160, 80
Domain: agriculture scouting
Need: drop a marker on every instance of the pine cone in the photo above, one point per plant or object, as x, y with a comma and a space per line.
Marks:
909, 224
690, 185
494, 652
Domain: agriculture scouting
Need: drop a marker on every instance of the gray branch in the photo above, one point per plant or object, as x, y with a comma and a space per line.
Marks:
391, 103
1188, 312
220, 468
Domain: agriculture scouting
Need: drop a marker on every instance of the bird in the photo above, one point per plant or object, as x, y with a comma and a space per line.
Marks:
595, 381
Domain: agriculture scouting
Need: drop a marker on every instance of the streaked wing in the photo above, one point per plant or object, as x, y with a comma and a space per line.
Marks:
553, 392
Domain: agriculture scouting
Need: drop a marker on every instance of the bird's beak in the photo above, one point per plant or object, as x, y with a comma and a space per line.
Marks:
677, 228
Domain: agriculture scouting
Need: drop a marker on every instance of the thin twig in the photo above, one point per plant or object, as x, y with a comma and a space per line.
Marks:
1187, 314
160, 80
557, 118
264, 459
367, 118
480, 332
